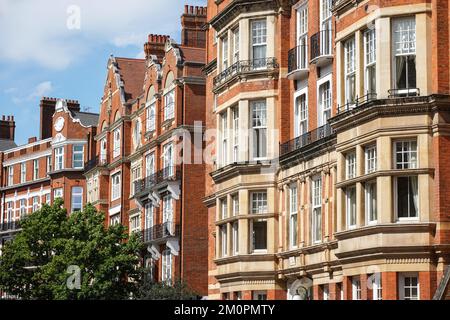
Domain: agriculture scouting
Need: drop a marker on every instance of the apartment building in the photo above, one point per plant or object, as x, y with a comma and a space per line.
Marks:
46, 168
328, 179
145, 174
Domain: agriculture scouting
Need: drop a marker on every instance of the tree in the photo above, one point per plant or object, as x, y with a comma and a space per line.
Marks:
179, 290
60, 256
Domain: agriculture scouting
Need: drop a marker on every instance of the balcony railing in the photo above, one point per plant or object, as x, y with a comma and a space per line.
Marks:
321, 46
298, 61
359, 101
10, 226
245, 66
404, 93
161, 231
168, 173
96, 162
306, 139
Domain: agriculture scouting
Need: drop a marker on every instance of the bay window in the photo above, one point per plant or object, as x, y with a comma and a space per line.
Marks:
409, 286
405, 154
371, 159
235, 237
78, 156
223, 240
235, 203
370, 60
316, 221
259, 202
350, 71
259, 43
59, 158
259, 129
404, 46
258, 234
236, 45
115, 184
235, 113
225, 53
77, 199
350, 202
371, 202
350, 160
407, 197
58, 193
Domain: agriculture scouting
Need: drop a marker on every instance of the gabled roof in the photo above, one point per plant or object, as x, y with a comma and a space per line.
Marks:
132, 73
87, 119
7, 144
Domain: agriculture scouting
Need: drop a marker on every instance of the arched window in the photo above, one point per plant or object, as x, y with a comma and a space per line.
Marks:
117, 116
169, 97
104, 126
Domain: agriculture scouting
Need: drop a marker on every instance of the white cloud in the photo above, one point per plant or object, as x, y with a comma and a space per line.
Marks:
37, 31
39, 91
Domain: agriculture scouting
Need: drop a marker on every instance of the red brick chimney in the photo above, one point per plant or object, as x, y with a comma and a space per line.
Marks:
193, 20
7, 128
32, 140
155, 45
47, 106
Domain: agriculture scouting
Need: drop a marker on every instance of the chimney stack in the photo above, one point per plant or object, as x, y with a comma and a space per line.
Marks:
156, 45
7, 128
193, 21
32, 140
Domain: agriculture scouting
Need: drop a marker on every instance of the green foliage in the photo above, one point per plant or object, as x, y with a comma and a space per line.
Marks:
35, 264
149, 290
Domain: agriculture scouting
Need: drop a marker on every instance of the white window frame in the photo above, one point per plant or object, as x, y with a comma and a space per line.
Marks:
302, 36
223, 208
224, 134
235, 230
223, 240
260, 295
350, 165
169, 105
10, 216
150, 164
410, 152
136, 175
236, 44
350, 70
23, 172
77, 192
10, 176
324, 101
235, 204
74, 153
116, 180
166, 263
259, 119
103, 150
293, 216
149, 216
116, 142
370, 153
235, 115
58, 193
316, 210
356, 288
168, 210
135, 223
35, 169
59, 158
23, 207
370, 60
371, 207
325, 24
301, 113
402, 285
137, 133
349, 209
258, 38
225, 52
377, 287
168, 158
258, 202
151, 117
35, 206
409, 217
114, 219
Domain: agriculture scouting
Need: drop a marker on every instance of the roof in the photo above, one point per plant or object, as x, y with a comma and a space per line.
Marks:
87, 119
7, 144
132, 73
192, 54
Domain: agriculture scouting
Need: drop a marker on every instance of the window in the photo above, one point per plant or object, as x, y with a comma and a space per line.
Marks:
23, 207
235, 237
406, 154
259, 129
350, 160
23, 172
166, 275
326, 293
115, 192
149, 222
151, 117
370, 61
137, 133
259, 295
116, 143
350, 71
301, 115
223, 240
35, 169
10, 176
356, 288
114, 220
224, 124
324, 103
168, 160
49, 164
259, 202
235, 113
235, 45
169, 105
259, 43
409, 286
135, 177
316, 210
150, 164
259, 235
59, 158
325, 26
78, 157
77, 199
35, 204
235, 204
407, 197
223, 209
293, 205
135, 223
371, 159
47, 198
58, 193
168, 212
302, 36
377, 290
351, 206
404, 46
10, 211
225, 53
371, 202
103, 151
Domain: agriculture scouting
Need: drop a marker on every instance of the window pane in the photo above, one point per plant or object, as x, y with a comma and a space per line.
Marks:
259, 235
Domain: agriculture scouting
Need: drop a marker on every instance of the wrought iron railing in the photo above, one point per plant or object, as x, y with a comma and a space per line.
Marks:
161, 231
96, 162
321, 44
404, 93
168, 173
359, 101
306, 139
298, 58
10, 226
245, 66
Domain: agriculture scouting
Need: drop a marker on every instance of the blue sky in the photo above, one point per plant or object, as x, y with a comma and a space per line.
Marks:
60, 49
